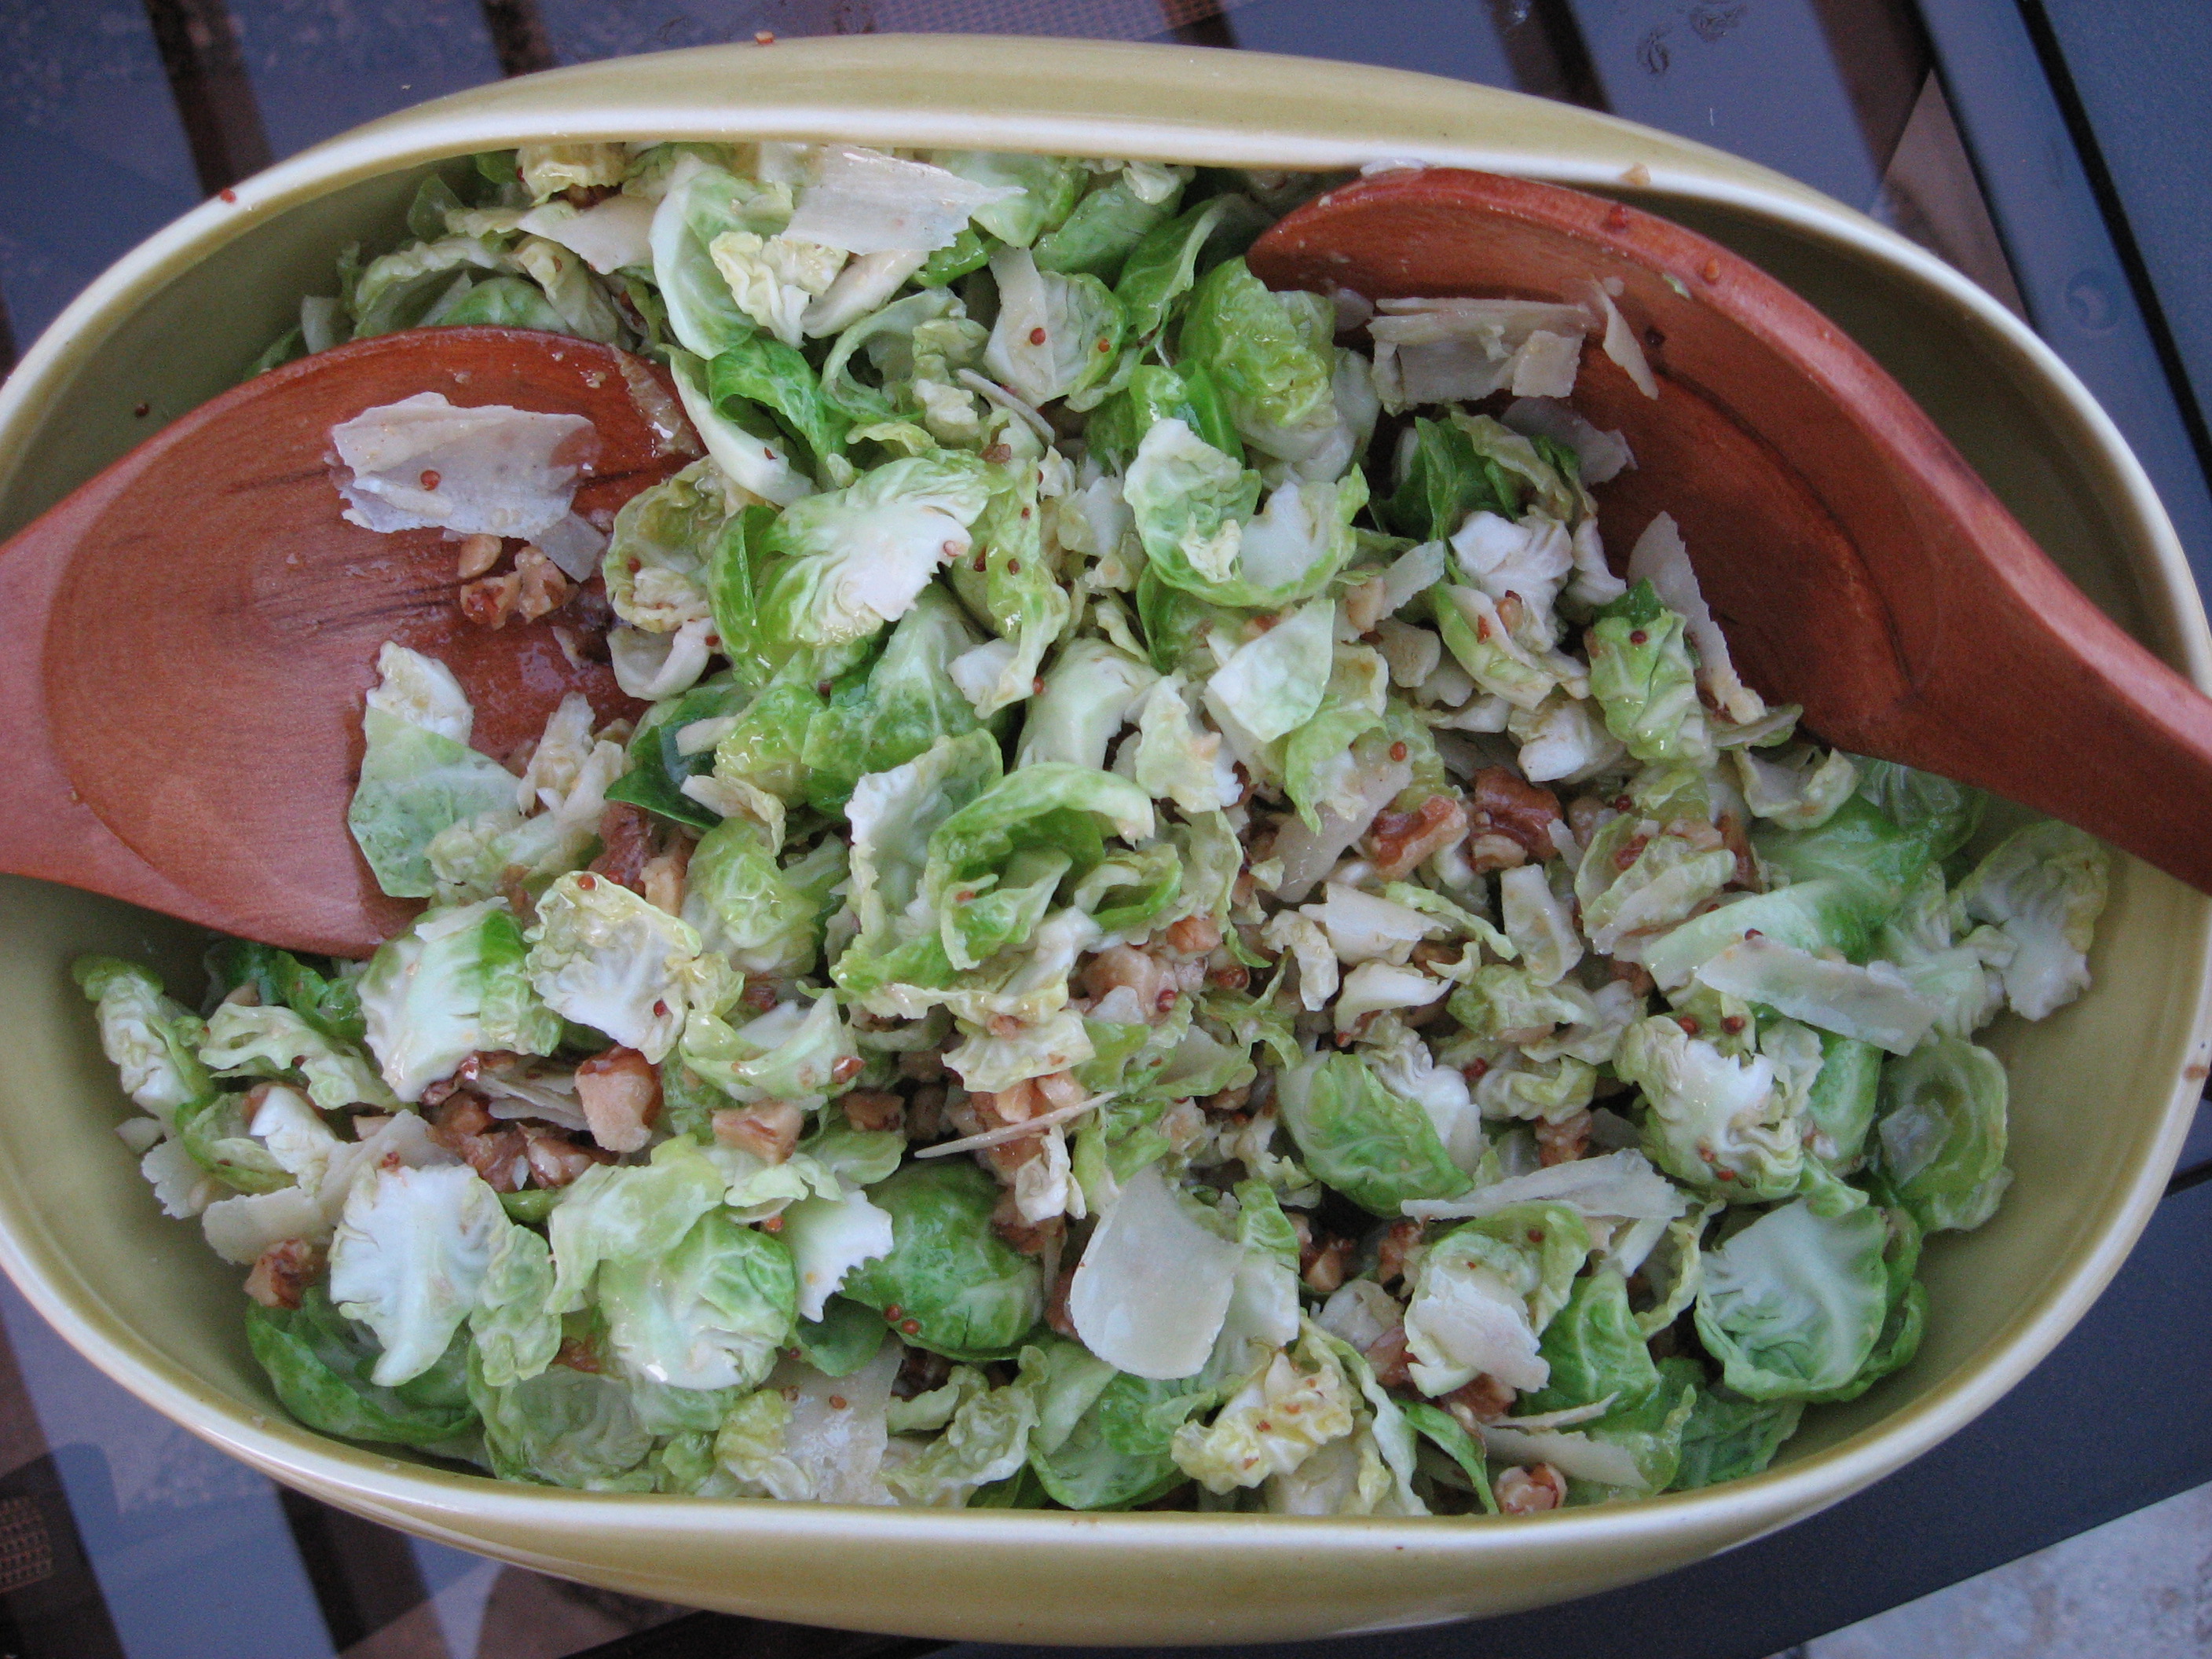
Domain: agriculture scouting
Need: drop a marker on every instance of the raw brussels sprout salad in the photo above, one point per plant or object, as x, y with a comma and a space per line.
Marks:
1162, 929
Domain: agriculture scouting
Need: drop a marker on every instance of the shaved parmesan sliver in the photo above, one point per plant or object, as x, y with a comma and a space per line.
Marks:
1572, 1453
606, 237
1660, 558
865, 202
1621, 1185
1153, 1286
1873, 1003
1620, 343
421, 464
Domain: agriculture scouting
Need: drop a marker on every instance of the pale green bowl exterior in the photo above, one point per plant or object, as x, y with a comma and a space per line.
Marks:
2102, 1093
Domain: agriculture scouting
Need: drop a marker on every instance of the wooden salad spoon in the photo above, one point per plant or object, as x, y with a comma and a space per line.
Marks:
1856, 565
184, 642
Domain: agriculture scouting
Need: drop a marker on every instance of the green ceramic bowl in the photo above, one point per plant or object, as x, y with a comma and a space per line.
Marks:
2102, 1092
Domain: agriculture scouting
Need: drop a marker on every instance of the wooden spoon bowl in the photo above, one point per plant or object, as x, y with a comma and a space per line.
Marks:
1856, 563
190, 635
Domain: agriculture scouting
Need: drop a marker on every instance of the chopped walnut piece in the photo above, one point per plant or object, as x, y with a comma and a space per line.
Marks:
922, 1065
1530, 1491
475, 555
488, 601
769, 1130
662, 878
1194, 936
620, 1093
874, 1109
1056, 1091
555, 1159
920, 1371
1564, 1141
1486, 1398
1502, 804
1325, 1272
1488, 852
1030, 1237
1055, 1302
1391, 1255
283, 1272
1634, 975
1122, 965
544, 585
925, 1114
626, 845
457, 1112
579, 1354
1747, 874
462, 1125
1232, 1099
997, 1109
1388, 1355
1399, 842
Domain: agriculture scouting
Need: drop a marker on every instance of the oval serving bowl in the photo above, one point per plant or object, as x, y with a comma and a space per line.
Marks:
2102, 1092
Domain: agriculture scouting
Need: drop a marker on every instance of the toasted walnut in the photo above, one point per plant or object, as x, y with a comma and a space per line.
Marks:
1530, 1491
1057, 1090
544, 585
1485, 1399
1229, 1100
1194, 936
1634, 975
626, 845
458, 1112
1325, 1272
1388, 1354
1055, 1302
556, 1159
874, 1109
1501, 802
1391, 1255
996, 1110
488, 601
1118, 966
920, 1371
662, 877
769, 1130
1748, 873
1362, 605
475, 555
620, 1093
283, 1272
1030, 1237
1487, 852
925, 1114
922, 1065
579, 1354
1399, 842
1564, 1141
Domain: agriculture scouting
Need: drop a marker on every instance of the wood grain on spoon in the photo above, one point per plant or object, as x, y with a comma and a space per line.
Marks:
190, 636
1856, 563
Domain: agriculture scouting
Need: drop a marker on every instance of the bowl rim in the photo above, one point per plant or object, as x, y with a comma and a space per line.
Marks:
1071, 97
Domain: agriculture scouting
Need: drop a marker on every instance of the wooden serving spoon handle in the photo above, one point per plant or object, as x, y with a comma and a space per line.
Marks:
1857, 563
188, 636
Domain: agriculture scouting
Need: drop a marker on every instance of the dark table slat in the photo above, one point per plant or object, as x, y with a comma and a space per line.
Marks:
2149, 150
1763, 82
318, 67
2077, 290
92, 158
